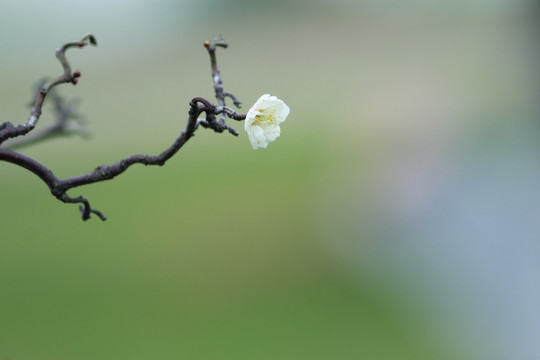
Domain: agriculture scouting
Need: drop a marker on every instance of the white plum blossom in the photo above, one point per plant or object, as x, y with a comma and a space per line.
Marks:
263, 119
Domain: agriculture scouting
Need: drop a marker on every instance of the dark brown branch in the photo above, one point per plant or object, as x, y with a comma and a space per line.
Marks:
211, 46
7, 130
59, 187
65, 115
236, 103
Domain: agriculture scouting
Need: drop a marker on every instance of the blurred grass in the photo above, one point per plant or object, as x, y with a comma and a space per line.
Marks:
212, 256
209, 256
215, 260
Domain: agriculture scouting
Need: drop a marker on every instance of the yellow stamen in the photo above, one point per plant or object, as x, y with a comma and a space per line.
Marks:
264, 119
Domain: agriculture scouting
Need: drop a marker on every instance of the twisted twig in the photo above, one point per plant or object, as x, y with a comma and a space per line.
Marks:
7, 130
59, 187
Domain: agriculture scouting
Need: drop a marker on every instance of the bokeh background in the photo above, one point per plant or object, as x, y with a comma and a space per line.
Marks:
397, 217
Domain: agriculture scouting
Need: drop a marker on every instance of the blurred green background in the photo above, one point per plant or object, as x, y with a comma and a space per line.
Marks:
397, 217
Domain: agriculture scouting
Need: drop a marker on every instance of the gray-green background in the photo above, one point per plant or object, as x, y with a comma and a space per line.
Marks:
397, 217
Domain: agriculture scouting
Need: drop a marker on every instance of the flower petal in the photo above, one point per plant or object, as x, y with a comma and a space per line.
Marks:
263, 119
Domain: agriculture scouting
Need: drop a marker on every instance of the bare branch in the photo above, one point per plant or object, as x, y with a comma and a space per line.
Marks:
59, 187
236, 103
7, 130
211, 46
65, 117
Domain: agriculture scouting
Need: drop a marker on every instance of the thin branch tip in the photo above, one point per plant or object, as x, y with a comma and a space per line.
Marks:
91, 39
216, 41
